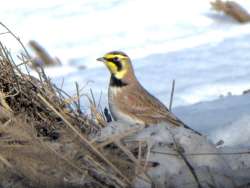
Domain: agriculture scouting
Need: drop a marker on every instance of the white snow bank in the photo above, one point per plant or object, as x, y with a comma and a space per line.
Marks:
226, 119
211, 168
235, 133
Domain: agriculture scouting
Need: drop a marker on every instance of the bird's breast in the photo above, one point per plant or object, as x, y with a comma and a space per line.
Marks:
114, 91
114, 97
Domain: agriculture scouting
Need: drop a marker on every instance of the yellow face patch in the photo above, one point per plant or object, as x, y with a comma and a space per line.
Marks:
120, 74
111, 66
118, 69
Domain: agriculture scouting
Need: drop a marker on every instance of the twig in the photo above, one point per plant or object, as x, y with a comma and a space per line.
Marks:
191, 168
97, 164
61, 87
181, 154
3, 33
78, 99
82, 169
139, 155
63, 158
99, 101
116, 137
5, 162
65, 93
194, 154
147, 156
17, 38
135, 160
93, 98
211, 176
172, 96
20, 42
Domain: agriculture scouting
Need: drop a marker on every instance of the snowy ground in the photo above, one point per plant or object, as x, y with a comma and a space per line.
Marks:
205, 52
226, 119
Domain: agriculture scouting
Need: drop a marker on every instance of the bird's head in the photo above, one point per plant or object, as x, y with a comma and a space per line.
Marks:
118, 63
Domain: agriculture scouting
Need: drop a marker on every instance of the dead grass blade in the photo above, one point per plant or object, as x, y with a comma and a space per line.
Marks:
93, 149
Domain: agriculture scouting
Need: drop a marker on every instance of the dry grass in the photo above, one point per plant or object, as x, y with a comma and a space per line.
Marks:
232, 9
42, 58
45, 138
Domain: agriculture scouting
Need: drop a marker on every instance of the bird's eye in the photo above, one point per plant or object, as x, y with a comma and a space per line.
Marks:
116, 59
117, 62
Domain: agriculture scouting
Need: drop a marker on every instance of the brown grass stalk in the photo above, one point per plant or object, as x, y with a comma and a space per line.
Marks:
88, 143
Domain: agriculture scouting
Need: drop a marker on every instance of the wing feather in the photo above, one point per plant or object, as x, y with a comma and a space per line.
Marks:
143, 105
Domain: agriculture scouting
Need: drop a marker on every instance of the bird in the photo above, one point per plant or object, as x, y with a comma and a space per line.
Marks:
128, 100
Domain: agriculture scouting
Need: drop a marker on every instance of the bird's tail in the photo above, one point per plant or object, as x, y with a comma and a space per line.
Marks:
178, 122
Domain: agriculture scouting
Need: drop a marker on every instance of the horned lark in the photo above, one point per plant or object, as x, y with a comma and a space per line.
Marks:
128, 100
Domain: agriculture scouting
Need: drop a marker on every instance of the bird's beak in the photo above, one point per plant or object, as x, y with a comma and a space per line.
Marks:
102, 59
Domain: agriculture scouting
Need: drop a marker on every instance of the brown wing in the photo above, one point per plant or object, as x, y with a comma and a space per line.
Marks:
142, 105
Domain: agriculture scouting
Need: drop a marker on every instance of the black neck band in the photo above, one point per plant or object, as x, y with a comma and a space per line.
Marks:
115, 82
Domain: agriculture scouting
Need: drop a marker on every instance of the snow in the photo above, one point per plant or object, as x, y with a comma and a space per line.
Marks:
235, 133
198, 48
224, 119
215, 169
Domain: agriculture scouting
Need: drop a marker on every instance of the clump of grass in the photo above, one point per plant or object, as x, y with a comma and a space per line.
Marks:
232, 9
45, 138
